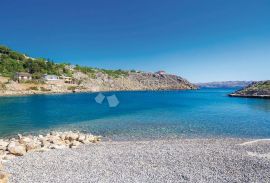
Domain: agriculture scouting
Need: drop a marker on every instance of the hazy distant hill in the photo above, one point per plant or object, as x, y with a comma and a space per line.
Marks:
224, 84
257, 89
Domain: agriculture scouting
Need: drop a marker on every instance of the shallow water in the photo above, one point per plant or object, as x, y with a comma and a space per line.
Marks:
142, 114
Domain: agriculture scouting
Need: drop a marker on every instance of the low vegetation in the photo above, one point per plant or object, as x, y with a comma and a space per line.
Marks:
260, 86
255, 89
33, 88
72, 88
92, 72
12, 62
115, 73
44, 89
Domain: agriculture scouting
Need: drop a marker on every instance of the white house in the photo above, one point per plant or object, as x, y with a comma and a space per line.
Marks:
23, 76
47, 77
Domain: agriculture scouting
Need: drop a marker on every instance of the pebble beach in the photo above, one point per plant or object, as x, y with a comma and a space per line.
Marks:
174, 160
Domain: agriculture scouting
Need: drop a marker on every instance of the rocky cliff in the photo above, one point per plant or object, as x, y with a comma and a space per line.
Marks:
101, 82
137, 81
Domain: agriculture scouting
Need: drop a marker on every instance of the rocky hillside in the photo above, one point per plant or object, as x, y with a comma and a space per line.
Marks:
224, 84
255, 90
84, 79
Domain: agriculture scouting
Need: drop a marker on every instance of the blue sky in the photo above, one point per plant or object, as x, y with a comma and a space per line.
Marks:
210, 40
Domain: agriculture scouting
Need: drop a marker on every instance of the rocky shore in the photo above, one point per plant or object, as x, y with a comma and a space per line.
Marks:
20, 146
101, 82
174, 160
255, 90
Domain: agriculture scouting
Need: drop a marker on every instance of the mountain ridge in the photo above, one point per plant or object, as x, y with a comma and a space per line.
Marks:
223, 84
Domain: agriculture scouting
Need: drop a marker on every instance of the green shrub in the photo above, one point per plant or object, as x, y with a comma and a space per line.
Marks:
33, 88
13, 61
72, 88
44, 89
115, 73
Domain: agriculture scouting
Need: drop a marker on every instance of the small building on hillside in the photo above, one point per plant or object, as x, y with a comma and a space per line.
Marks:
67, 79
48, 77
22, 76
160, 72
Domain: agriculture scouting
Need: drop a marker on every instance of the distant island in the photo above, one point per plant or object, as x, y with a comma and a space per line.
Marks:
224, 84
23, 75
255, 90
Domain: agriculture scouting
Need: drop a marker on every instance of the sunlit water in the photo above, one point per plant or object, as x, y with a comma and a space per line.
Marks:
156, 114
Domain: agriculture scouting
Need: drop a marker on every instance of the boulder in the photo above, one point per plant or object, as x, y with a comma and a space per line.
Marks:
25, 140
72, 136
98, 138
4, 177
74, 144
2, 152
32, 146
12, 139
2, 155
93, 138
62, 136
55, 146
82, 138
16, 149
90, 137
9, 157
20, 136
45, 143
53, 139
58, 142
85, 141
3, 145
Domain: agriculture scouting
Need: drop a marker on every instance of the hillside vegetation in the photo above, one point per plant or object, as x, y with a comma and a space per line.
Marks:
13, 61
256, 89
82, 78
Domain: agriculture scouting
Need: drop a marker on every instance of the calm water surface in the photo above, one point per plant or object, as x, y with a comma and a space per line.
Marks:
207, 112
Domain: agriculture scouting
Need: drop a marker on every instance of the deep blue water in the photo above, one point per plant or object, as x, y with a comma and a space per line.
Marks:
142, 114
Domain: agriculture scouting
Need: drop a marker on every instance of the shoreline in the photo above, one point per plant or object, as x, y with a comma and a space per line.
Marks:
88, 91
13, 148
250, 96
184, 160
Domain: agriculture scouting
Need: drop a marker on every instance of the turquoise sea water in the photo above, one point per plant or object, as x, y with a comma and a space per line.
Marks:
142, 114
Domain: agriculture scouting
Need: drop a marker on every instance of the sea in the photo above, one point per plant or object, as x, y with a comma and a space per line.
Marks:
130, 115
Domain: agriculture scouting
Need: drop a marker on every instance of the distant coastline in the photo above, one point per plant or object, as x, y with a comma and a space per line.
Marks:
224, 84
